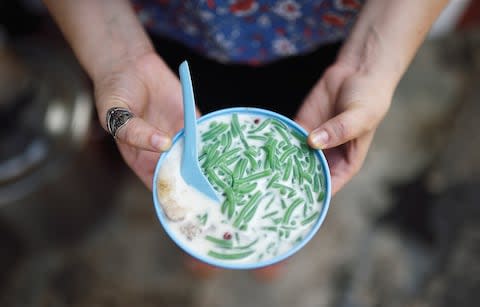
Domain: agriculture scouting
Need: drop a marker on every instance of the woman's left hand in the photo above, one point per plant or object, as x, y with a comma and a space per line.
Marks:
341, 114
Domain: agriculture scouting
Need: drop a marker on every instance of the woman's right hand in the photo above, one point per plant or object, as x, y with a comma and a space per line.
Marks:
150, 90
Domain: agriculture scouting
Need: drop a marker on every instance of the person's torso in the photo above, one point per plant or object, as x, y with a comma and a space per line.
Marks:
250, 31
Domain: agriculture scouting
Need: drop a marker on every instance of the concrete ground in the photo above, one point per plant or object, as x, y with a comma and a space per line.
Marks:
360, 257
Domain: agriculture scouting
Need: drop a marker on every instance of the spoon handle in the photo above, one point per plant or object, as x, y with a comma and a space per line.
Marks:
189, 119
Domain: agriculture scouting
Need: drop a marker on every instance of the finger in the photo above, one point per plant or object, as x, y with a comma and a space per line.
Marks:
342, 128
135, 132
345, 162
142, 162
140, 134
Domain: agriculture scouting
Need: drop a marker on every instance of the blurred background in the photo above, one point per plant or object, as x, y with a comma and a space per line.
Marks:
77, 228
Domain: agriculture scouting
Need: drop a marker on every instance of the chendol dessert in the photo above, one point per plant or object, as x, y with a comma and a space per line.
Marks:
271, 184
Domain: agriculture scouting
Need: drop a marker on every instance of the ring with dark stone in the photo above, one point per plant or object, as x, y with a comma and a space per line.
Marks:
116, 118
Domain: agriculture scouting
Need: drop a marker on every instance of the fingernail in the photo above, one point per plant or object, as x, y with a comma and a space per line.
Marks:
161, 142
319, 139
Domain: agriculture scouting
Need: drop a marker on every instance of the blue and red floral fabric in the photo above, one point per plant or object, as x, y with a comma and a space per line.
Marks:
250, 31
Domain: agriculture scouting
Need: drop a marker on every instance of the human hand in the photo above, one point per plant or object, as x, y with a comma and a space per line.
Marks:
341, 114
149, 89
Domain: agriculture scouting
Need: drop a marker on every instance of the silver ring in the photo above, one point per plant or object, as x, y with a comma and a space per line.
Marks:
116, 118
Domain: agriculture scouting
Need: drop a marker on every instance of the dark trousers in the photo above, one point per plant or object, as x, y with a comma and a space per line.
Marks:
280, 86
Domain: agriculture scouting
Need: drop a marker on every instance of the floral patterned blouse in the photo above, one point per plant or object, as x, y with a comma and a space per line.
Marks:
250, 31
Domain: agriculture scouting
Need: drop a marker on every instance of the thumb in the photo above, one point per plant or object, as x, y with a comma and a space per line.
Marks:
342, 128
133, 131
140, 134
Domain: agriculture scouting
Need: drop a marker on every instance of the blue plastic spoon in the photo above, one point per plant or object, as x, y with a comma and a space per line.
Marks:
190, 169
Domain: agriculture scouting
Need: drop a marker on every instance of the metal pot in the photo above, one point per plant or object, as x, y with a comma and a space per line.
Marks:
56, 177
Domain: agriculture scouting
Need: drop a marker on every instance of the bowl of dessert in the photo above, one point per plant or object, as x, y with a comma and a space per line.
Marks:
274, 190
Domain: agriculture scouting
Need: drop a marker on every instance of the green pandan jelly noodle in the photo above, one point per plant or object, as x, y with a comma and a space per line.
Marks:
270, 182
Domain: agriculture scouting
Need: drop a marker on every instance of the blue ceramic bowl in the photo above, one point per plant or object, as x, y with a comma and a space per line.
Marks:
245, 266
